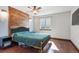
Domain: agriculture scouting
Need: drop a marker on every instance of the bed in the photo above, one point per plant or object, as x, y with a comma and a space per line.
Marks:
33, 39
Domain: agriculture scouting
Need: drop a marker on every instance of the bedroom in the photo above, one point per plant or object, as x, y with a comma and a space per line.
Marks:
59, 27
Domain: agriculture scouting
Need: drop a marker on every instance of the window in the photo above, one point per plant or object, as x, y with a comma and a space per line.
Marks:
45, 22
31, 25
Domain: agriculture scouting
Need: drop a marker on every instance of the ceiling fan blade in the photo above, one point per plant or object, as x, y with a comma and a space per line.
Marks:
28, 7
39, 8
34, 7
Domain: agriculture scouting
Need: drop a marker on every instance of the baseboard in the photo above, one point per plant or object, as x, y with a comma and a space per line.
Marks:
60, 38
74, 46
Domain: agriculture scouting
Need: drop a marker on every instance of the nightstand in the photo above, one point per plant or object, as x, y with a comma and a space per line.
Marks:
5, 41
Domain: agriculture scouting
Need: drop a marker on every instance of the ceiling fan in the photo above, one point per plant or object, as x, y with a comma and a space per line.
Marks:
35, 9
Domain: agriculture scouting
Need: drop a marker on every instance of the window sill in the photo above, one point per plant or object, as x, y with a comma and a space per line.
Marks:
46, 29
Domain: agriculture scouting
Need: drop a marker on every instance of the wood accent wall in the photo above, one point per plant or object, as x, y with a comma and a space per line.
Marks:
17, 17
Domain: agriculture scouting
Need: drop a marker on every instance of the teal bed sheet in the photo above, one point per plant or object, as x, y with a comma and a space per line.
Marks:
30, 38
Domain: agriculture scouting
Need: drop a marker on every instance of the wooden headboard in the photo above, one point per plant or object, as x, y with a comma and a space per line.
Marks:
17, 18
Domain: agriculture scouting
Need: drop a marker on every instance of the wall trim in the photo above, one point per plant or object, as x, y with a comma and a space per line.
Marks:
75, 46
59, 38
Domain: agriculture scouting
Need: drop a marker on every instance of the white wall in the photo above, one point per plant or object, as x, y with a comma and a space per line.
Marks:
75, 31
31, 29
36, 21
75, 35
61, 25
3, 23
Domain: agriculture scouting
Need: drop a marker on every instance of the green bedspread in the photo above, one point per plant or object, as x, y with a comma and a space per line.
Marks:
30, 38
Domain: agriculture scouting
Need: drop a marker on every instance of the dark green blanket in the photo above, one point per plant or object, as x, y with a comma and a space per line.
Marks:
30, 38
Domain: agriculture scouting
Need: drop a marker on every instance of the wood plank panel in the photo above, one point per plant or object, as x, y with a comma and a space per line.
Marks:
17, 18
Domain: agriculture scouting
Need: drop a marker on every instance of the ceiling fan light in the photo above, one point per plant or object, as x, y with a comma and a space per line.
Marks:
35, 12
35, 9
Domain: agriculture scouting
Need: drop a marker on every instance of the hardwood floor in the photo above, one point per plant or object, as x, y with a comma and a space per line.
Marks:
53, 46
62, 46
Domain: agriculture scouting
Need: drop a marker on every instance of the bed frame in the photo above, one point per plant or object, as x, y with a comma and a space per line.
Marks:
43, 44
20, 29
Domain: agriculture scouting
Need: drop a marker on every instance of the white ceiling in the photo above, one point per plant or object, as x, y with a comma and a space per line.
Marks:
46, 9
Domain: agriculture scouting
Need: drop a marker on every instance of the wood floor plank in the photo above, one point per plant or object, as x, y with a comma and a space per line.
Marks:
53, 46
